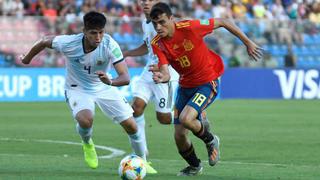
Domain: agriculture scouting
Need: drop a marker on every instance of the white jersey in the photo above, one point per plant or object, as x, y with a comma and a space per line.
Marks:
81, 66
149, 34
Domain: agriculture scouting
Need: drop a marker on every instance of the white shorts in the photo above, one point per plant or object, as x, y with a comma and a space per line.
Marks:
161, 94
110, 101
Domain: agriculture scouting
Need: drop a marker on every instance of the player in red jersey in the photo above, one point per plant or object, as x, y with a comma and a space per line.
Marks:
181, 45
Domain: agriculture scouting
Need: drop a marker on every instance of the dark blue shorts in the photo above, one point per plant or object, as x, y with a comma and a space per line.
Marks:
199, 98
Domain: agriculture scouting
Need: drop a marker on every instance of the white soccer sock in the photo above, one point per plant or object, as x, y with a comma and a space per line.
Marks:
140, 121
85, 133
137, 144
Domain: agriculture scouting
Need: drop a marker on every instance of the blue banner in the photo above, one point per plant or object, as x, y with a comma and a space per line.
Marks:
42, 84
271, 83
47, 84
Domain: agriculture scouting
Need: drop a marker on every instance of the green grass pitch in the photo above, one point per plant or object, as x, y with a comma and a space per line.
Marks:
269, 139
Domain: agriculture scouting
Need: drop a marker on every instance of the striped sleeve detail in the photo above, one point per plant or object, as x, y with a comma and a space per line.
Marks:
184, 24
155, 40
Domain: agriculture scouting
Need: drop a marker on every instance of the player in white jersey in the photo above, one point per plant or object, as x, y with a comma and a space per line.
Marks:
89, 56
145, 89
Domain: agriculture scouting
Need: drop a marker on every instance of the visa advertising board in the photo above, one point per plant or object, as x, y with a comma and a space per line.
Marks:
271, 83
47, 84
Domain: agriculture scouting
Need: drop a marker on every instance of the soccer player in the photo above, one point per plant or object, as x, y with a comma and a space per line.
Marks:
89, 55
181, 45
145, 89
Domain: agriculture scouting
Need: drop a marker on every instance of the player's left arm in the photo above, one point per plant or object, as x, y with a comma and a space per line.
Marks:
123, 75
253, 49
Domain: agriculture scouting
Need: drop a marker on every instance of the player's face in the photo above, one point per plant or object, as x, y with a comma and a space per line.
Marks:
94, 36
163, 25
147, 5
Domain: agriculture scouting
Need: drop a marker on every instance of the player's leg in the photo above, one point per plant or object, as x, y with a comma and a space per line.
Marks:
138, 106
142, 94
191, 115
84, 128
187, 152
84, 125
164, 99
199, 130
82, 106
183, 144
137, 144
205, 121
117, 107
130, 126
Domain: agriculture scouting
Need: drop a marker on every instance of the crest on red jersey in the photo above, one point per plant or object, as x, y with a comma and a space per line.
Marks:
187, 44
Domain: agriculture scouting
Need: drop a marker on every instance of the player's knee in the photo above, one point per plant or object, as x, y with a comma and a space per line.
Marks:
137, 110
85, 123
129, 126
138, 106
185, 120
164, 118
85, 119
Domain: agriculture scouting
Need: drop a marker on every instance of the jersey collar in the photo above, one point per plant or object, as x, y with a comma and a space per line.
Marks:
83, 47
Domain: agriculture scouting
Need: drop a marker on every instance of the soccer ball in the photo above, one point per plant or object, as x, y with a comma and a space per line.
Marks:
132, 167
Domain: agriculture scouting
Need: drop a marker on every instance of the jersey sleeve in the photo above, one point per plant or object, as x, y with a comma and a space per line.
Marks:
60, 42
114, 51
161, 56
145, 35
202, 27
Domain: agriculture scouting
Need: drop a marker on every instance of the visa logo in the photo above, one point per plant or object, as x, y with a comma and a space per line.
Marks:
299, 84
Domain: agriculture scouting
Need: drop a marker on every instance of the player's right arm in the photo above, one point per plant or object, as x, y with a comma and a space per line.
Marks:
45, 42
139, 51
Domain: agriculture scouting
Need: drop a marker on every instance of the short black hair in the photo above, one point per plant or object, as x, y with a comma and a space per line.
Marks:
94, 20
160, 8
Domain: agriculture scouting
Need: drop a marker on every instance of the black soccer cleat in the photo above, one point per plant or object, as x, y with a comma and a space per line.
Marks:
190, 171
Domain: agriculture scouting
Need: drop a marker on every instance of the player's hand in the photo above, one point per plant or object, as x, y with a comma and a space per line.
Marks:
254, 51
154, 68
157, 77
103, 77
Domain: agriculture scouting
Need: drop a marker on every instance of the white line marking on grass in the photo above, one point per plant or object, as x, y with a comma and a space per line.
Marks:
114, 152
118, 152
246, 163
266, 164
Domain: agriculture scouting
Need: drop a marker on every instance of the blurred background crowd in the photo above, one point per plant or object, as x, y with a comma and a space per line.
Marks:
288, 30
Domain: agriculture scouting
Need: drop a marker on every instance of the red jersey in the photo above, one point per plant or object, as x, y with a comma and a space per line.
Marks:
188, 54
